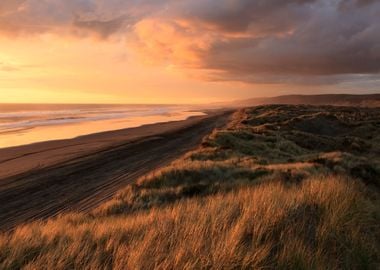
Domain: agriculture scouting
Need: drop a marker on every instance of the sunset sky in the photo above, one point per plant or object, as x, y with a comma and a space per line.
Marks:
186, 51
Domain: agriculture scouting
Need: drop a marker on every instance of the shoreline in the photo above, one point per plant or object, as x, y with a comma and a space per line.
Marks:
42, 130
92, 142
45, 179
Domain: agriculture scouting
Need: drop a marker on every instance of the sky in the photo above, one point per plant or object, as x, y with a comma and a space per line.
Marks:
186, 51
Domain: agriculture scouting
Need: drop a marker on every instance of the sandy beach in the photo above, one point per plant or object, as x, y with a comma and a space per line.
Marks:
44, 179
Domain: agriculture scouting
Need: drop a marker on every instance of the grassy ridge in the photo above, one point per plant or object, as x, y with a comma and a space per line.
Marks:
281, 187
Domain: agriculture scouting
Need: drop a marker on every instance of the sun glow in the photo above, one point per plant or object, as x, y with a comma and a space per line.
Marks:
52, 69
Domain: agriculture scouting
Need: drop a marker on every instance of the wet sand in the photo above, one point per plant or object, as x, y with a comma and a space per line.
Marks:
22, 134
42, 180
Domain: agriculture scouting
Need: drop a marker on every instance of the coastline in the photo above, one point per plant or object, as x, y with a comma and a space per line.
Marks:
48, 128
19, 159
45, 179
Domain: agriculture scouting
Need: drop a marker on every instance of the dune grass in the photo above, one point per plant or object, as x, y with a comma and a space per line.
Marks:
251, 197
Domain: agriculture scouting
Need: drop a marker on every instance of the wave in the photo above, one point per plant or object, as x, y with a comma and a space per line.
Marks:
29, 119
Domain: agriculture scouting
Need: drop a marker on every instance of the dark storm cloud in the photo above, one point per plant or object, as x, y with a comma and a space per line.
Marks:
243, 15
277, 41
258, 41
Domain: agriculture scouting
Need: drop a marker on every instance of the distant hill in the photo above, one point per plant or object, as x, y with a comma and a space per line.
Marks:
372, 100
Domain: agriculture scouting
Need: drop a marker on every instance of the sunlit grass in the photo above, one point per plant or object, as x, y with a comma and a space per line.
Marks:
325, 222
248, 198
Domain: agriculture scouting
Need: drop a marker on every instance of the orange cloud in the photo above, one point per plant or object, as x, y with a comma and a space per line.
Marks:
288, 42
292, 42
171, 42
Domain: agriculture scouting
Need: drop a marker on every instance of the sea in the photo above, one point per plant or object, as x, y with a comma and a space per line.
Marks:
22, 124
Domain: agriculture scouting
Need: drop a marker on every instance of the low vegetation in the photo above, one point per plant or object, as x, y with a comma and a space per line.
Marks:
281, 187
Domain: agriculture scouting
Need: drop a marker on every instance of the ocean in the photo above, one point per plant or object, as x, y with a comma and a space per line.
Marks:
30, 123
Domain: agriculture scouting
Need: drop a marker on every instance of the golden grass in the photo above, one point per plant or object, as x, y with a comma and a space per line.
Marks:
321, 224
246, 199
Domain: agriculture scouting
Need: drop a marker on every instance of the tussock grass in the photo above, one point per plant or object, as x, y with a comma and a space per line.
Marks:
321, 224
253, 196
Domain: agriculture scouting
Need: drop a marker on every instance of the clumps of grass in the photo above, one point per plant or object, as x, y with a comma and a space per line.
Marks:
184, 173
265, 148
266, 192
323, 128
326, 223
357, 167
181, 180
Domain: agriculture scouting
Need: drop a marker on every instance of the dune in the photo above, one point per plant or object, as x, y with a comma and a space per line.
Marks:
276, 187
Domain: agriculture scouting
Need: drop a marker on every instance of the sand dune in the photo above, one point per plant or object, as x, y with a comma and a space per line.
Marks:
278, 187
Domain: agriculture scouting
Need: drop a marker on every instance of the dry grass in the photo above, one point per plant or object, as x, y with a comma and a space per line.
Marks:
248, 198
325, 223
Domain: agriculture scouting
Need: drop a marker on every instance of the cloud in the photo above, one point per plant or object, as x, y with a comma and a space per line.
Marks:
271, 41
255, 41
33, 17
9, 5
104, 28
8, 67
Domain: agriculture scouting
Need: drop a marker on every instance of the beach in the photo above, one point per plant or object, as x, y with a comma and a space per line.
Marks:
22, 124
45, 179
